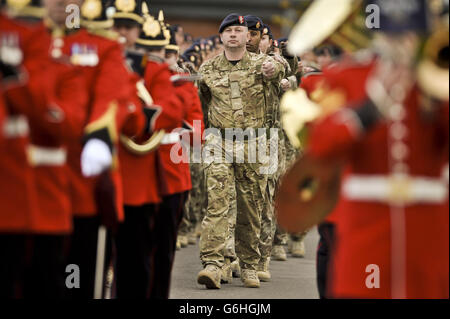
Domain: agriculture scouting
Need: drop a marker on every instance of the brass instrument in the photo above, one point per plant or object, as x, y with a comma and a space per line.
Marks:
433, 69
154, 141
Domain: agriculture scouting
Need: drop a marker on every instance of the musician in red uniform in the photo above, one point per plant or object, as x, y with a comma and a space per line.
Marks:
174, 159
142, 174
18, 193
106, 82
328, 57
393, 226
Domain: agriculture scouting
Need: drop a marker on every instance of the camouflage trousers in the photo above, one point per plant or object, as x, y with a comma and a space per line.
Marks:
268, 219
290, 154
282, 237
194, 208
249, 184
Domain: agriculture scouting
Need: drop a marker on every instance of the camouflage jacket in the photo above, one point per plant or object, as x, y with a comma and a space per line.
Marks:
235, 94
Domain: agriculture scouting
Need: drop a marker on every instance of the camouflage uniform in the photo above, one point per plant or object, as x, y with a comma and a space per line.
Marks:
235, 98
273, 119
192, 213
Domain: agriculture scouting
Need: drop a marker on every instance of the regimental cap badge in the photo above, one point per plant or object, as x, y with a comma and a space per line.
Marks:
258, 25
192, 58
126, 5
91, 9
18, 4
151, 27
241, 19
266, 31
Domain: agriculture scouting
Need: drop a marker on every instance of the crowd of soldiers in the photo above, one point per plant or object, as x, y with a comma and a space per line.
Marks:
94, 111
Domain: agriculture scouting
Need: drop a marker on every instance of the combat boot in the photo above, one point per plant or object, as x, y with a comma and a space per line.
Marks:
227, 274
263, 271
235, 268
210, 277
278, 253
298, 249
250, 278
184, 241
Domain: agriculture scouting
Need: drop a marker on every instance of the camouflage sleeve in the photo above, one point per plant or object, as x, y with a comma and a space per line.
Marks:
293, 64
204, 93
279, 71
203, 89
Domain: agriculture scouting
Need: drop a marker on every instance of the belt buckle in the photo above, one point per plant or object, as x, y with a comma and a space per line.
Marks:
400, 190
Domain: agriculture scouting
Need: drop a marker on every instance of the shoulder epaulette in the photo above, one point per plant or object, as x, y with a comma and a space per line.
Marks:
108, 34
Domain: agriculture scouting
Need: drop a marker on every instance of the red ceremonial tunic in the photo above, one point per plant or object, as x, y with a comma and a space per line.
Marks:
141, 176
393, 211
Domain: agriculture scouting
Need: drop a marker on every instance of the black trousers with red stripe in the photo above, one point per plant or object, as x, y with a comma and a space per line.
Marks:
324, 255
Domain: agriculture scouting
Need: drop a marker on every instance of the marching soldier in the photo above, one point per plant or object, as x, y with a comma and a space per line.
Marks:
99, 61
16, 175
49, 106
137, 241
232, 86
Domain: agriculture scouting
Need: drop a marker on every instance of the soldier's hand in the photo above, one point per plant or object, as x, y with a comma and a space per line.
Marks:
285, 85
268, 69
96, 157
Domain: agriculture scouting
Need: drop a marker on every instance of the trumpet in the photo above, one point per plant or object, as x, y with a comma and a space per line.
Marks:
433, 69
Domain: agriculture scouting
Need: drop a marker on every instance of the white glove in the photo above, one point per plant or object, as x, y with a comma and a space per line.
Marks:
96, 157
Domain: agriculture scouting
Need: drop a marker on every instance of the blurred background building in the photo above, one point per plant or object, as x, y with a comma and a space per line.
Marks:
202, 18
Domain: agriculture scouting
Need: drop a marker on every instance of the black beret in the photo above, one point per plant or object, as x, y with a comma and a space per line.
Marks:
232, 20
267, 30
254, 23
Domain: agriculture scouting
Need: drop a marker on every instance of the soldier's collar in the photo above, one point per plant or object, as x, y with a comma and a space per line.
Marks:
155, 58
242, 64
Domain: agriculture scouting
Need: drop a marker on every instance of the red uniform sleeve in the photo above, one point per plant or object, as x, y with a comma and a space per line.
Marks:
193, 119
62, 98
2, 115
334, 135
111, 103
54, 103
135, 121
168, 104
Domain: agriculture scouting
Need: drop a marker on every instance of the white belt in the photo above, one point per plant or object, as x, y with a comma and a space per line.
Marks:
15, 127
400, 190
47, 156
170, 138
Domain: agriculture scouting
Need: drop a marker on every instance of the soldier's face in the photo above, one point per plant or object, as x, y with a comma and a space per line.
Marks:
171, 58
253, 41
56, 9
129, 32
234, 37
265, 43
